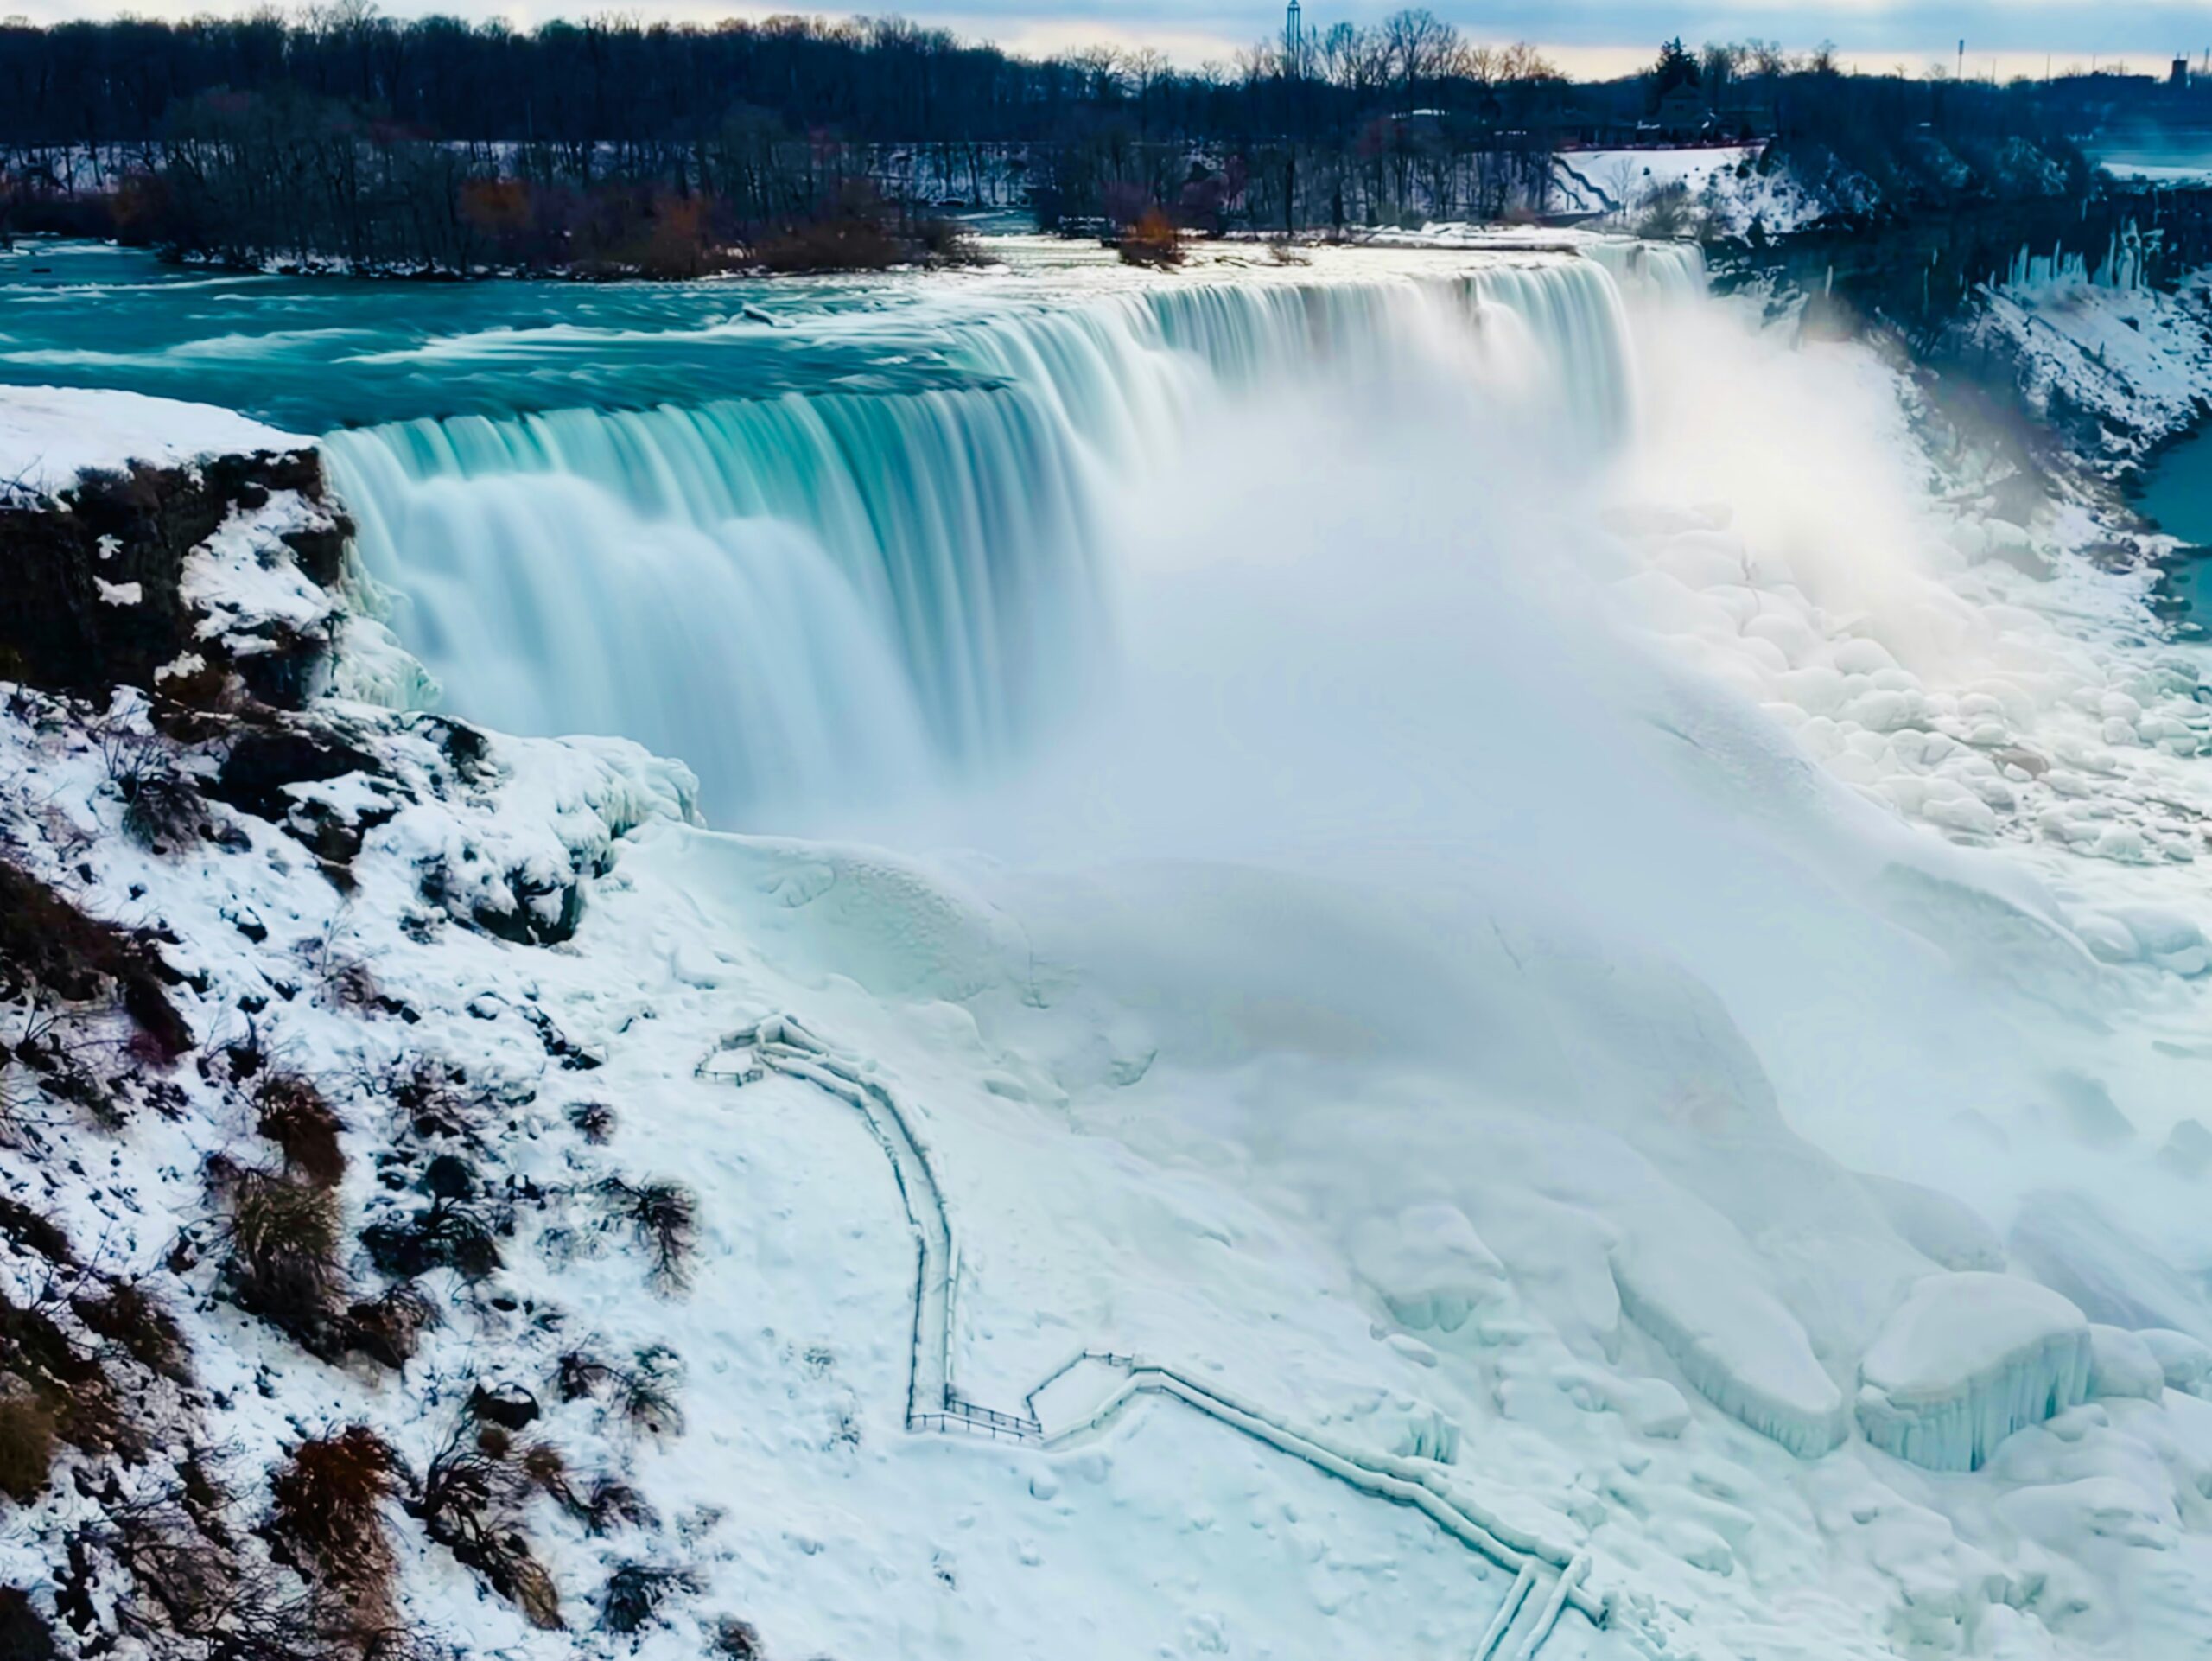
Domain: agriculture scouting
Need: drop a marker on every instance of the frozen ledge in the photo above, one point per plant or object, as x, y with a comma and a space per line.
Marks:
1738, 1346
1966, 1359
51, 436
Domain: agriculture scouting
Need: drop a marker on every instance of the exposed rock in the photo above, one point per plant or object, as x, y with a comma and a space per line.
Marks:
97, 594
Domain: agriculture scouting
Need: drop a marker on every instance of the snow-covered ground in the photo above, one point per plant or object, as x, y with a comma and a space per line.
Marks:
2137, 362
49, 434
1635, 1136
1724, 184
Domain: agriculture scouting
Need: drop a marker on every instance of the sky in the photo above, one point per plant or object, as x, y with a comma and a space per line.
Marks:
1586, 37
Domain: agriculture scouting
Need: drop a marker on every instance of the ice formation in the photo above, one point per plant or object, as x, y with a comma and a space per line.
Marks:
1966, 1359
1429, 1264
2069, 1245
1737, 1344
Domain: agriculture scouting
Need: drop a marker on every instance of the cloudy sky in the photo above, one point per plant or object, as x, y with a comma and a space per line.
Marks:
1587, 36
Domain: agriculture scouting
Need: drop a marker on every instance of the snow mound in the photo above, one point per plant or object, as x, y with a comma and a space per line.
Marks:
49, 434
1945, 1230
2067, 1243
1429, 1264
2121, 1364
1965, 1361
1736, 1344
2186, 1363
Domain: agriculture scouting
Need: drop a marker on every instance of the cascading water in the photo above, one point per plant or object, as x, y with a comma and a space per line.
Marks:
823, 600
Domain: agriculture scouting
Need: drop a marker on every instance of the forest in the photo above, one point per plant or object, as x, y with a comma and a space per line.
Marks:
339, 136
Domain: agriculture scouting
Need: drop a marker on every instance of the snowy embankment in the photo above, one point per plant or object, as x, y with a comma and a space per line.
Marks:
51, 434
1732, 187
2118, 369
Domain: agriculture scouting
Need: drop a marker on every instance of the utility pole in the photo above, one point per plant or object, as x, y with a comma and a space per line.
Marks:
1961, 75
1293, 40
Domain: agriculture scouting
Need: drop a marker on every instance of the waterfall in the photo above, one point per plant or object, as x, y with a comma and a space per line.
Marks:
821, 599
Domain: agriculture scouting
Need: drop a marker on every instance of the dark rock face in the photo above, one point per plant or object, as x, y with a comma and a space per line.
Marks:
57, 632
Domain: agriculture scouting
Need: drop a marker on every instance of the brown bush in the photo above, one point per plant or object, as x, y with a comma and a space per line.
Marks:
125, 1314
296, 1117
389, 1327
634, 1593
51, 950
1152, 240
841, 242
330, 1507
27, 1438
284, 1254
471, 1504
29, 1229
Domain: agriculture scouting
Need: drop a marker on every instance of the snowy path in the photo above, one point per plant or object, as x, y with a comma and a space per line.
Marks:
1092, 1387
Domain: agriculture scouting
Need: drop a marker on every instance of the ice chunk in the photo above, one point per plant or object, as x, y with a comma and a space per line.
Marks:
2121, 1363
1430, 1266
2186, 1363
1966, 1359
2067, 1243
1739, 1347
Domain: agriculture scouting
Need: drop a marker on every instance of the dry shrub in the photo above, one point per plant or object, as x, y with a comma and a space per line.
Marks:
35, 1233
296, 1117
642, 1395
283, 1262
125, 1314
665, 1218
389, 1327
1152, 240
737, 1640
593, 1121
24, 1635
840, 243
471, 1504
52, 950
448, 1234
27, 1438
635, 1592
330, 1506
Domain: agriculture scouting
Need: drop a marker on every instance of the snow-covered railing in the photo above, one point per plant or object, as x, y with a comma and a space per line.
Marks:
781, 1045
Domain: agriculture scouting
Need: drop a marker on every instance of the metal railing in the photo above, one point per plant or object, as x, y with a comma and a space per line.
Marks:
782, 1045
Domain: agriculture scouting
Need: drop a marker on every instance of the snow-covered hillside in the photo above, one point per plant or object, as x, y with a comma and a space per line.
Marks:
2133, 363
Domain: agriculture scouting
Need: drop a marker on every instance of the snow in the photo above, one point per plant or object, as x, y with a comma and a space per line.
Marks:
2121, 1364
2068, 1244
48, 434
1725, 183
1966, 1360
2136, 360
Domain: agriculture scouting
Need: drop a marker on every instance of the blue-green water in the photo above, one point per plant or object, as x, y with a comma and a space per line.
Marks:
314, 353
2177, 497
823, 540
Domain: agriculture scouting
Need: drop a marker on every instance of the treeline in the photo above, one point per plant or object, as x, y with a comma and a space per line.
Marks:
611, 145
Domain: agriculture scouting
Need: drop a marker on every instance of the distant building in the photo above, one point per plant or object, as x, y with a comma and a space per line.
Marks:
2178, 75
1682, 112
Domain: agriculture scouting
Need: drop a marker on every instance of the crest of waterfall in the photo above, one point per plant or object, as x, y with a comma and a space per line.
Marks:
1663, 271
824, 600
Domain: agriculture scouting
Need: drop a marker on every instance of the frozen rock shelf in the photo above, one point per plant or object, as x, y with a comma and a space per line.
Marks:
1966, 1359
1093, 1386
